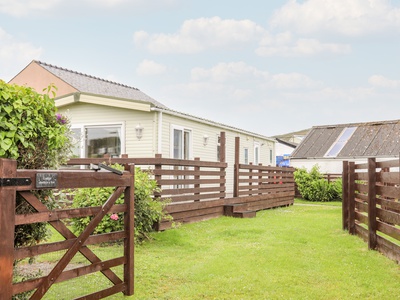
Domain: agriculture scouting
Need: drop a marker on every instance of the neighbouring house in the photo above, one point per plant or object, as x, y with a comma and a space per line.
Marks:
330, 145
285, 145
115, 119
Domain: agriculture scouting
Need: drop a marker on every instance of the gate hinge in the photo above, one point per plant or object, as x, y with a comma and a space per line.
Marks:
15, 181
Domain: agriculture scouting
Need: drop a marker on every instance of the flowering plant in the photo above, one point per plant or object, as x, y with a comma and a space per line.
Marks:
61, 119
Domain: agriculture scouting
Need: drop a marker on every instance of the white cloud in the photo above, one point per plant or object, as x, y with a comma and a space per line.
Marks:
293, 81
228, 72
240, 77
199, 34
383, 82
284, 44
24, 7
20, 8
346, 17
14, 55
149, 68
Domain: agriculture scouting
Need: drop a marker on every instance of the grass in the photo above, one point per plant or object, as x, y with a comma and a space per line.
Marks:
296, 252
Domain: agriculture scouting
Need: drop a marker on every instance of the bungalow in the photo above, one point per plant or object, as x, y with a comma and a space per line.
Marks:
330, 145
116, 119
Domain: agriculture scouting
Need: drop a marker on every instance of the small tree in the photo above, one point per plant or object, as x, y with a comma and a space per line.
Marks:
32, 133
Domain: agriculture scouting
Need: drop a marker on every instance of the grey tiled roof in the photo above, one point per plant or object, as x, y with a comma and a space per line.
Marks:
93, 85
373, 139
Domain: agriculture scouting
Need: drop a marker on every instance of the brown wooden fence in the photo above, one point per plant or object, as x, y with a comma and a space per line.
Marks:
23, 182
197, 189
371, 207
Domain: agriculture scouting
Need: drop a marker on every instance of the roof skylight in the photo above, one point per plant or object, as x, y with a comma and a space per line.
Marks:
340, 142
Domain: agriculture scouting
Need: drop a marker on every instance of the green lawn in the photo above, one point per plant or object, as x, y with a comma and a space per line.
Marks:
296, 252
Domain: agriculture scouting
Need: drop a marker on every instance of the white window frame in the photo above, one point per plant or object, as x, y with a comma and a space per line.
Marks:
82, 127
257, 153
183, 129
246, 155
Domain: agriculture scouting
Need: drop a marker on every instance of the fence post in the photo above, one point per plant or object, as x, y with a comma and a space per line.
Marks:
129, 226
8, 169
351, 199
372, 224
236, 168
250, 183
222, 147
345, 196
197, 177
222, 158
157, 177
260, 176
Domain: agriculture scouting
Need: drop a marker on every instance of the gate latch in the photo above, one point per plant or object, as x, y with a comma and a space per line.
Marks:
15, 181
103, 166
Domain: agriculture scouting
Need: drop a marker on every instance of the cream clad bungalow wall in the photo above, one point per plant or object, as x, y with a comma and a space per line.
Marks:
84, 114
209, 152
151, 143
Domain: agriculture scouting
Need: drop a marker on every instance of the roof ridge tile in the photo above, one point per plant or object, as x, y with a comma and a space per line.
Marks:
86, 75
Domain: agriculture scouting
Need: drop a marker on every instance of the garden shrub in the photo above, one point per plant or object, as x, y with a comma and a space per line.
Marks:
148, 210
313, 187
32, 133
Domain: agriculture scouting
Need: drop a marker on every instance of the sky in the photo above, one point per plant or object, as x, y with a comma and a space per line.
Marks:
269, 67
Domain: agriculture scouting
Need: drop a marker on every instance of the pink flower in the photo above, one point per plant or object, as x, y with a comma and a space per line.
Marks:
114, 217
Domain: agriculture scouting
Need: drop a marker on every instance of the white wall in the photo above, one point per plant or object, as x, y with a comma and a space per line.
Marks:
90, 114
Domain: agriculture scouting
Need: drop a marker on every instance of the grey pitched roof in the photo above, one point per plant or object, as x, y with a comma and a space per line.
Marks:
373, 139
93, 85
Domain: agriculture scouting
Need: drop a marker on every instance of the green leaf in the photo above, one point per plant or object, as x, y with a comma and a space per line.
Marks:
8, 109
6, 144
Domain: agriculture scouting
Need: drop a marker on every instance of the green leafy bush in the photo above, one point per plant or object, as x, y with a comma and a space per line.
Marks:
313, 187
32, 133
147, 209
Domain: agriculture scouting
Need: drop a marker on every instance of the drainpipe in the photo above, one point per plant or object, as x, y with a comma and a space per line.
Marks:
160, 120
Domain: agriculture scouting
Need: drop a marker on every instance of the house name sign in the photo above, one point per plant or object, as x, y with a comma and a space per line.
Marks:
46, 180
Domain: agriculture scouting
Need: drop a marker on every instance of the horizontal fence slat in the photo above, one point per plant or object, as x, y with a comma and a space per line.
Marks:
170, 172
64, 214
267, 168
388, 191
20, 253
151, 161
389, 249
389, 230
203, 196
66, 275
184, 181
67, 179
389, 204
388, 216
361, 218
178, 191
179, 207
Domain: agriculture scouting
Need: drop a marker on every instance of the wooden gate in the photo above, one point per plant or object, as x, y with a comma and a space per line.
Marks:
23, 182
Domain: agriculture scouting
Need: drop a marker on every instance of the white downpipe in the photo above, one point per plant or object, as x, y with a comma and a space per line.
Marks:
160, 120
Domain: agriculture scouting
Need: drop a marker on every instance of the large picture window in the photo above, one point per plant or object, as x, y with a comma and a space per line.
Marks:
97, 140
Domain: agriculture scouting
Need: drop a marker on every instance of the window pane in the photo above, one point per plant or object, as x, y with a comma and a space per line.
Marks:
341, 142
246, 156
76, 142
178, 143
186, 143
103, 140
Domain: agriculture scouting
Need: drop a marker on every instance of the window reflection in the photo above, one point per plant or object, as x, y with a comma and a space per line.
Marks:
103, 140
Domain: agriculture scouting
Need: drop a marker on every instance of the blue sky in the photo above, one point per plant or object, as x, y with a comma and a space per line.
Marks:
270, 67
